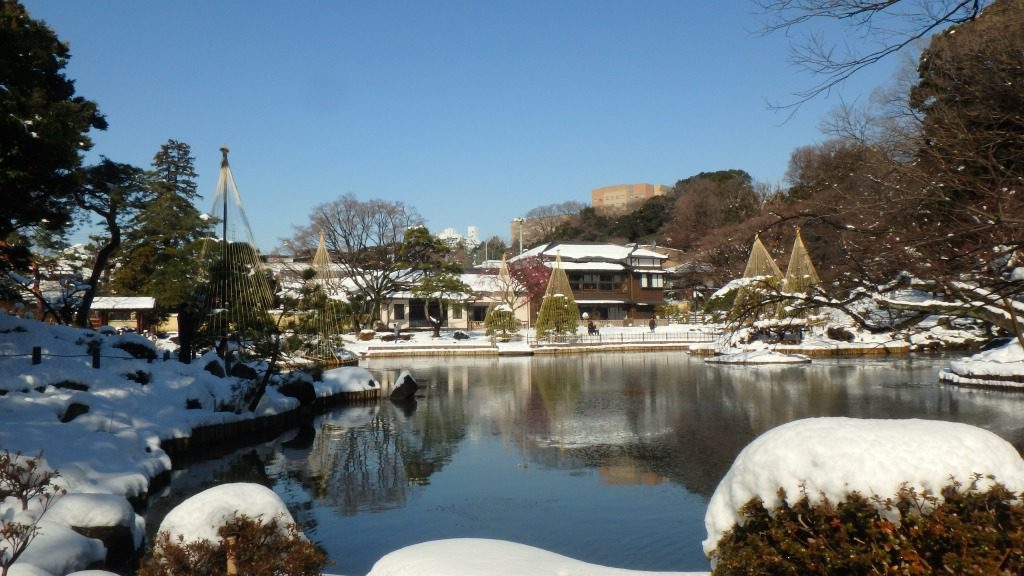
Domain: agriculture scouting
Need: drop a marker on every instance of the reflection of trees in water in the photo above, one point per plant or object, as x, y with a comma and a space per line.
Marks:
554, 391
664, 413
368, 464
357, 468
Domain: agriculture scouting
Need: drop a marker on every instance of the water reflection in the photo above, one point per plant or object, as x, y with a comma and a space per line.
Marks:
608, 458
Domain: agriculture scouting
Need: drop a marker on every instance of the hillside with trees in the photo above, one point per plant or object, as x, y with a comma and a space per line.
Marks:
920, 191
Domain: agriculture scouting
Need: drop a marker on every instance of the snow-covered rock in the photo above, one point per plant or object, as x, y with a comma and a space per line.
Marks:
58, 549
832, 457
199, 517
998, 367
98, 511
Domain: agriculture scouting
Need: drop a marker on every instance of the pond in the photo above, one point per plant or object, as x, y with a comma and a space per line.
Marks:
606, 458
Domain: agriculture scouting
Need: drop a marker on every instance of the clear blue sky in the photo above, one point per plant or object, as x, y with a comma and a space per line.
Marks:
473, 112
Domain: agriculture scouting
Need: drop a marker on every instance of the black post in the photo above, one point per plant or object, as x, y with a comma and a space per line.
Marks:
37, 355
96, 358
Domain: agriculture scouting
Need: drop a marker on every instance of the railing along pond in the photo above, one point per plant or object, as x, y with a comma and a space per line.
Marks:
665, 336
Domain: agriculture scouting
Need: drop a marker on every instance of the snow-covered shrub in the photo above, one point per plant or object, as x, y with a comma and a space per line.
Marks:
259, 548
136, 345
840, 333
26, 481
965, 531
501, 321
559, 314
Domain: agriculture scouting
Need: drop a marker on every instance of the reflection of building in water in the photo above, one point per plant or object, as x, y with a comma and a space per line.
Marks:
627, 473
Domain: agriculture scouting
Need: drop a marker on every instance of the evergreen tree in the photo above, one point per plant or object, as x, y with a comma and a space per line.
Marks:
114, 192
439, 279
160, 252
43, 131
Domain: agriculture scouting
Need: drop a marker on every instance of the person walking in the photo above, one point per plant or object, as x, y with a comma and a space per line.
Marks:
653, 324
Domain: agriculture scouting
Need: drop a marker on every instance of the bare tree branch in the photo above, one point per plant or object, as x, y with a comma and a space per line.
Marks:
884, 27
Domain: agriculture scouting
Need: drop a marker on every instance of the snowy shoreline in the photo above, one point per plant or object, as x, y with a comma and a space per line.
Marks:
109, 430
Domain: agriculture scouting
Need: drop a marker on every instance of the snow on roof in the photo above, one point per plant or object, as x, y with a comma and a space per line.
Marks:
589, 251
645, 253
123, 303
583, 251
483, 282
609, 266
832, 457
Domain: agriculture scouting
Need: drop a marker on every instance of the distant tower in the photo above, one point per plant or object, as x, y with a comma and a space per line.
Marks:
472, 239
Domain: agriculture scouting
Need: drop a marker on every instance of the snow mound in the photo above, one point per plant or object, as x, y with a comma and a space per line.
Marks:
1005, 361
475, 556
758, 357
98, 510
199, 517
59, 550
346, 379
832, 457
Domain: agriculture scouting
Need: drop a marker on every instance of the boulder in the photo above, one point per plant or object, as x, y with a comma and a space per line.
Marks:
74, 410
108, 518
405, 387
216, 368
301, 390
245, 371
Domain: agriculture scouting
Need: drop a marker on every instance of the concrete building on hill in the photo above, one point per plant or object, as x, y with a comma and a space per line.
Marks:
625, 197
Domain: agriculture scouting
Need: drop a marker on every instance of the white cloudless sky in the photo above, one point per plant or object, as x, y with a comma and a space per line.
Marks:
472, 112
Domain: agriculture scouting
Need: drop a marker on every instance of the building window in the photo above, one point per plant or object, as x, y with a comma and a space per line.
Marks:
652, 281
456, 312
602, 282
399, 312
643, 261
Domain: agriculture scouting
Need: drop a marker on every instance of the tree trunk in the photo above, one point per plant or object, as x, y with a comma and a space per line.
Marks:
98, 267
186, 333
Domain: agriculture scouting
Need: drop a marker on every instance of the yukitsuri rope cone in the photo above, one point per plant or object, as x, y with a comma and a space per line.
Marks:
501, 318
325, 311
801, 277
558, 310
759, 265
238, 298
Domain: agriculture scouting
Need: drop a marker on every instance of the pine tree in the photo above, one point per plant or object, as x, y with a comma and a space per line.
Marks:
160, 251
43, 131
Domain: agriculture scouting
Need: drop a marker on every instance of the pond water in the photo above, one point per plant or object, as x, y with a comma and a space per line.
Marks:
606, 458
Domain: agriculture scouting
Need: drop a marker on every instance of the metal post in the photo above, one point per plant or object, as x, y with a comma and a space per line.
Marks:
37, 355
96, 357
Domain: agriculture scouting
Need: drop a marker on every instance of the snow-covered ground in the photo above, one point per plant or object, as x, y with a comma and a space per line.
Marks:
107, 448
